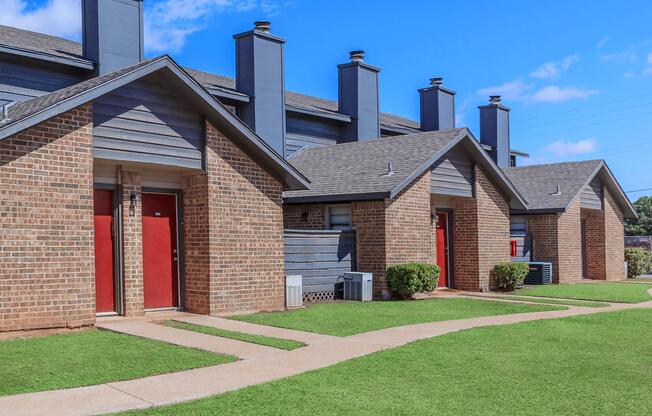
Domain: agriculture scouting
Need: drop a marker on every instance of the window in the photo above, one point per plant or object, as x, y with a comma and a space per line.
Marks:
339, 217
518, 225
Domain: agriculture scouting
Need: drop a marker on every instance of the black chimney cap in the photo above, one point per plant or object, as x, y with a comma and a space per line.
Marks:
436, 81
262, 25
356, 56
494, 99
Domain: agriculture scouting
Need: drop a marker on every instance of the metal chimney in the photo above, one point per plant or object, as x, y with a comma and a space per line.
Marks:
358, 98
112, 33
437, 106
260, 74
494, 130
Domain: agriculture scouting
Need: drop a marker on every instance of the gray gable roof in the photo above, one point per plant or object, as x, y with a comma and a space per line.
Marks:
538, 183
358, 171
27, 114
63, 48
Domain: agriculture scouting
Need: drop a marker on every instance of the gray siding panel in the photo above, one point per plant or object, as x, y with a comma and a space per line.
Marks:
321, 257
591, 196
309, 132
142, 122
453, 175
23, 82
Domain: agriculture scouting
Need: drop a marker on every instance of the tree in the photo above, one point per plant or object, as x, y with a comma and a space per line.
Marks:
642, 225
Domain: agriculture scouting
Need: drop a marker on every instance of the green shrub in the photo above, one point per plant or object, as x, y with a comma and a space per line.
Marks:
639, 261
407, 279
510, 275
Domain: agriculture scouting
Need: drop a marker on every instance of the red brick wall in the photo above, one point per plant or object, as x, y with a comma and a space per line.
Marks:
614, 238
569, 264
196, 244
46, 225
594, 239
246, 231
304, 216
480, 235
132, 243
368, 218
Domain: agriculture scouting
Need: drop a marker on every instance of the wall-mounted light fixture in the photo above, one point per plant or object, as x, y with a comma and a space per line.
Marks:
132, 203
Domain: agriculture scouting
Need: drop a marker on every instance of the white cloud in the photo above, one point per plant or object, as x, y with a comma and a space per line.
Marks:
562, 148
555, 94
460, 120
168, 23
55, 17
552, 70
512, 90
602, 42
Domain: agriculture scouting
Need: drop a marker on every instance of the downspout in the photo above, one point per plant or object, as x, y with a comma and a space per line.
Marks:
120, 263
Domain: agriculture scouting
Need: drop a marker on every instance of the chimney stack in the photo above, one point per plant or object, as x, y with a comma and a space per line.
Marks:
358, 98
112, 33
494, 130
437, 106
260, 74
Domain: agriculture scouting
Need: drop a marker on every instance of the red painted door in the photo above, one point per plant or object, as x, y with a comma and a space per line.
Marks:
442, 248
160, 274
104, 273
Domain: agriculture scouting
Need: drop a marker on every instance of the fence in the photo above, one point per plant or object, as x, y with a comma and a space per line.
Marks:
639, 241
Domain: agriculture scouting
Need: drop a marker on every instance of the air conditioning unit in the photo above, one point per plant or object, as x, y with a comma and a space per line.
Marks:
358, 286
293, 291
540, 274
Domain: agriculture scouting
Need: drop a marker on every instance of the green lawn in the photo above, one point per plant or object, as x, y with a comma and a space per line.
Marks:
606, 292
349, 318
585, 365
91, 357
284, 344
550, 301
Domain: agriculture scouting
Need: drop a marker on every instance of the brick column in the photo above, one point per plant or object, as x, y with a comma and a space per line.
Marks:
614, 239
595, 244
196, 244
368, 219
132, 243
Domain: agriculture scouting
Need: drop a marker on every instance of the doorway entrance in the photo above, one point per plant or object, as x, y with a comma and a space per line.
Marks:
443, 244
104, 239
160, 250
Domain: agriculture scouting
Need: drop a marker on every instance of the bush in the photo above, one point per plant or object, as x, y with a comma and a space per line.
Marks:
639, 261
510, 275
407, 279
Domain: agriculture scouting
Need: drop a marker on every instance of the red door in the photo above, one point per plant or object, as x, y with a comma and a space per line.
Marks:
104, 281
160, 275
442, 248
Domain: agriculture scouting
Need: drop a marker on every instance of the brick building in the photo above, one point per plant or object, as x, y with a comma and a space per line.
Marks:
129, 185
432, 197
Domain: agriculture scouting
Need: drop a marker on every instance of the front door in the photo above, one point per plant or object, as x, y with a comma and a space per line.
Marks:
583, 237
442, 248
160, 257
104, 255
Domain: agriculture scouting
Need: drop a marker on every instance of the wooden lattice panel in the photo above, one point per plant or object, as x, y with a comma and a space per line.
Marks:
318, 297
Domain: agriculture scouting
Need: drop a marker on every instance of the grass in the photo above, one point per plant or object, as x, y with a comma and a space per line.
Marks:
586, 304
606, 292
349, 318
598, 364
91, 357
283, 344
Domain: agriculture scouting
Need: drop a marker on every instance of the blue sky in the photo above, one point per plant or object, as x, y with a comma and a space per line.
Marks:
577, 74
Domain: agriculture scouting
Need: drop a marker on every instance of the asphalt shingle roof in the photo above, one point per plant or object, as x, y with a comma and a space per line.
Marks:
538, 183
361, 167
25, 109
38, 42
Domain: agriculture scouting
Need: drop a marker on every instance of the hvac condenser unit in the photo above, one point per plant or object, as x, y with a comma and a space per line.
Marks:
358, 286
540, 274
293, 291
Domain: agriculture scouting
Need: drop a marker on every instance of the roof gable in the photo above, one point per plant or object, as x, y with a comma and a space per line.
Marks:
554, 187
27, 114
360, 170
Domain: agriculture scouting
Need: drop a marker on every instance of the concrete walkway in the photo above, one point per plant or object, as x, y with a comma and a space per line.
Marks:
260, 364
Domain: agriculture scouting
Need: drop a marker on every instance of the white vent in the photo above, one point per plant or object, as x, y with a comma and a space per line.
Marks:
293, 291
358, 286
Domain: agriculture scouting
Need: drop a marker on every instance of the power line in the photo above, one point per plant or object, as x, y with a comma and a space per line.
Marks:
639, 190
533, 126
585, 125
586, 107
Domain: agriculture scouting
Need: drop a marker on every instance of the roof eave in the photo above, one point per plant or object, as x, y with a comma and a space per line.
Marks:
42, 56
329, 198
